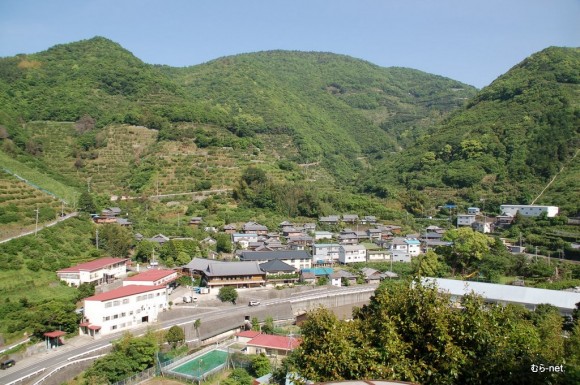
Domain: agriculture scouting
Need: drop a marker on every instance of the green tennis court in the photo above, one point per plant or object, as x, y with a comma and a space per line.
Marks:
199, 366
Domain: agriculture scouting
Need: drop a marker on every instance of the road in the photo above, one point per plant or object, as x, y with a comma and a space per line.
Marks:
49, 224
55, 358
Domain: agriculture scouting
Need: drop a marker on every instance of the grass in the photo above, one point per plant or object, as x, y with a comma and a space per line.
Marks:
38, 179
36, 286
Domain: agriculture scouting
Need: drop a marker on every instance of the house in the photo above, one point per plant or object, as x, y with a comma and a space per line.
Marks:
195, 221
245, 336
352, 253
325, 252
230, 229
465, 219
350, 218
435, 229
431, 236
244, 240
273, 346
400, 256
210, 229
319, 271
284, 225
254, 228
473, 210
371, 275
301, 239
329, 220
96, 272
278, 271
290, 231
197, 265
208, 241
111, 212
124, 222
159, 238
529, 210
374, 234
299, 259
413, 246
152, 278
307, 277
309, 227
504, 220
348, 237
391, 228
121, 309
318, 235
399, 244
485, 226
342, 276
378, 255
369, 219
237, 274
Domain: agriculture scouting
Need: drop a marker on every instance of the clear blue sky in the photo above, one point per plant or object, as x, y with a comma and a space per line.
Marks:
473, 41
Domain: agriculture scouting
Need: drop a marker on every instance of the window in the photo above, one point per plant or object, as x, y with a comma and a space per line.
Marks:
115, 316
106, 318
125, 301
113, 327
123, 314
108, 304
150, 296
116, 303
131, 312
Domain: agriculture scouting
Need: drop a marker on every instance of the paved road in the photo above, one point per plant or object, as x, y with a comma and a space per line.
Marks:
235, 314
49, 224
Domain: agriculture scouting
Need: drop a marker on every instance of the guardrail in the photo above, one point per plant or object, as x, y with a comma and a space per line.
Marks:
64, 366
21, 379
90, 352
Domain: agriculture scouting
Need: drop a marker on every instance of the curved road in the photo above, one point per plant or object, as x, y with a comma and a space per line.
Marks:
52, 223
56, 358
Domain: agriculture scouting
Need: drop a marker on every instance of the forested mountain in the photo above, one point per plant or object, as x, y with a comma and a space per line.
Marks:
334, 108
505, 144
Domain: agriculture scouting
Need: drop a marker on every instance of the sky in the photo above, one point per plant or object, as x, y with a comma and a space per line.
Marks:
473, 41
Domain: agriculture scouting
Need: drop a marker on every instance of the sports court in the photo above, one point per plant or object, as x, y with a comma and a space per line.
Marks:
203, 365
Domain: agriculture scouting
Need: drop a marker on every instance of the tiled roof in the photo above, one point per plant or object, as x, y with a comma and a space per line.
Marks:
276, 265
93, 265
248, 334
151, 275
274, 342
124, 291
233, 269
269, 255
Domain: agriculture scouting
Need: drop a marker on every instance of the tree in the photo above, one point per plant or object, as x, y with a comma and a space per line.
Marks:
240, 376
84, 124
428, 265
255, 324
85, 290
468, 247
175, 336
322, 281
228, 294
223, 243
86, 203
260, 365
268, 327
115, 239
196, 326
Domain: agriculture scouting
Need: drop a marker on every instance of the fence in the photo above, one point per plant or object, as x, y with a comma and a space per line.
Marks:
22, 379
64, 367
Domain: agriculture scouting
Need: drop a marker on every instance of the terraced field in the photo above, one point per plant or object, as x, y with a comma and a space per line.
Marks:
18, 204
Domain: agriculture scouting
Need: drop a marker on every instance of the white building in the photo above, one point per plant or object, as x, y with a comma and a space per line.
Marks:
378, 255
473, 210
121, 309
152, 278
318, 235
96, 272
465, 219
529, 210
352, 253
299, 259
327, 252
413, 246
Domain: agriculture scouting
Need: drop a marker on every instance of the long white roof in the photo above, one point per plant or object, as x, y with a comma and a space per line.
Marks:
507, 293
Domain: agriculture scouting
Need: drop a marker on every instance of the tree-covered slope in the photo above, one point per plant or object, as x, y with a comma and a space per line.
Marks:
508, 141
335, 108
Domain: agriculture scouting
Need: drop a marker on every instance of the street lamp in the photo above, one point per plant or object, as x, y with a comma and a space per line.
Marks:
199, 365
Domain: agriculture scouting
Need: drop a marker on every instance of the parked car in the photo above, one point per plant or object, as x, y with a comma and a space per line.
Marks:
254, 303
187, 299
7, 364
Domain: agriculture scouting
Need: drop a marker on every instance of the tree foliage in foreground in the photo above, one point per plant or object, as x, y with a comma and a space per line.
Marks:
130, 355
411, 333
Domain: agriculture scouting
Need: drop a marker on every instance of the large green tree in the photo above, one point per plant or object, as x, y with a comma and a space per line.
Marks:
468, 247
115, 240
228, 294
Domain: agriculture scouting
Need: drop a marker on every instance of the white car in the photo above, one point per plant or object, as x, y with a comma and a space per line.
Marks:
254, 303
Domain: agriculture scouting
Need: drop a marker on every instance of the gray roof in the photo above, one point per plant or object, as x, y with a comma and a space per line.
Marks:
269, 255
199, 264
221, 269
343, 274
253, 226
505, 293
276, 265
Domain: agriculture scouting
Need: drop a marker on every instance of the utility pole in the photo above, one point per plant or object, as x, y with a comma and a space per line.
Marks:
36, 226
61, 209
97, 238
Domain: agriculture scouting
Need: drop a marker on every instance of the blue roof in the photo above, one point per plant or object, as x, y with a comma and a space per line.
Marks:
412, 242
450, 206
319, 271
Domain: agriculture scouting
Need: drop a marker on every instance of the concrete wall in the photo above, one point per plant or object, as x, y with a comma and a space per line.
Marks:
332, 300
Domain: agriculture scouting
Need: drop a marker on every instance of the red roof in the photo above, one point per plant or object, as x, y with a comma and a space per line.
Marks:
124, 291
54, 334
248, 334
93, 265
84, 324
275, 342
151, 275
94, 327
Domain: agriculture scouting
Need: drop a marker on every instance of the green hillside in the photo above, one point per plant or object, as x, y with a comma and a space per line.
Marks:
339, 112
506, 144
